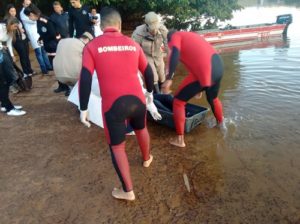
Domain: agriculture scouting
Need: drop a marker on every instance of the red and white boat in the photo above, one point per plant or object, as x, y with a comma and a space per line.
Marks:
239, 34
246, 45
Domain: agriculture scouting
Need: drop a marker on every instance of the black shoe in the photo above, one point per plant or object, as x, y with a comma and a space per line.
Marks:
59, 89
67, 93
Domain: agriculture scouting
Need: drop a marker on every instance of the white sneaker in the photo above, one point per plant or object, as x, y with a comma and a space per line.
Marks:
18, 107
15, 112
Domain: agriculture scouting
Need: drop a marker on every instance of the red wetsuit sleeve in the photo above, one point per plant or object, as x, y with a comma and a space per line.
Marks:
142, 61
146, 70
173, 62
174, 56
85, 80
175, 41
88, 59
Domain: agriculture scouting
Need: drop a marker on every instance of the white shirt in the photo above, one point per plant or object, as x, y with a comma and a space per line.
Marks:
31, 29
5, 37
97, 28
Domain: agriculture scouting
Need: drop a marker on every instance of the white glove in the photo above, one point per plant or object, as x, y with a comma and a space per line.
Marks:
149, 98
153, 111
84, 118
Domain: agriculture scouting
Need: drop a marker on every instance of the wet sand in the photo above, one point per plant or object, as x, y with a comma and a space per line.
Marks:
55, 170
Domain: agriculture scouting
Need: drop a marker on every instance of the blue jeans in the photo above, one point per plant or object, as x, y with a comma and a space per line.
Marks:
43, 59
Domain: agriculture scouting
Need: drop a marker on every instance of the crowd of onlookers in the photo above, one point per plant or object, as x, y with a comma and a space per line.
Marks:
58, 41
18, 29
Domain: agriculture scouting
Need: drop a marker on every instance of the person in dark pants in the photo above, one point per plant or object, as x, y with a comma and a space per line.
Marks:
32, 34
61, 23
22, 48
45, 27
79, 19
5, 81
20, 42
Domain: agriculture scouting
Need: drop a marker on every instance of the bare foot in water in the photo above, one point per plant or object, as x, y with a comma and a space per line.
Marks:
148, 162
120, 194
178, 141
223, 128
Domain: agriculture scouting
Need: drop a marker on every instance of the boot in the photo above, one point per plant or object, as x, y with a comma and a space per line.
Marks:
156, 89
68, 91
28, 81
61, 87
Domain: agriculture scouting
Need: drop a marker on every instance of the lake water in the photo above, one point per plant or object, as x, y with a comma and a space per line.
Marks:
261, 88
254, 172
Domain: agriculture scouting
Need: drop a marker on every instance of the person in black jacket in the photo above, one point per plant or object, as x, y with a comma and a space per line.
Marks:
61, 22
60, 19
79, 19
46, 29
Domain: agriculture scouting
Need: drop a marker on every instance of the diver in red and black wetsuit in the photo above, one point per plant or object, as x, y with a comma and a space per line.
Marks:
117, 59
205, 68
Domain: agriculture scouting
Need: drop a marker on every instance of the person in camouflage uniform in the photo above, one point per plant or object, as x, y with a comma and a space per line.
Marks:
152, 37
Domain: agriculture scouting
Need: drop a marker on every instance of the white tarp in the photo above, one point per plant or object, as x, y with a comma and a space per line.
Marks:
95, 101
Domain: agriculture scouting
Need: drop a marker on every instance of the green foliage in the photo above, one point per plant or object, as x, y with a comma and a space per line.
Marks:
179, 14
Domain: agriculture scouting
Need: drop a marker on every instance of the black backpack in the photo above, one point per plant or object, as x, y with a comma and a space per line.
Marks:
24, 83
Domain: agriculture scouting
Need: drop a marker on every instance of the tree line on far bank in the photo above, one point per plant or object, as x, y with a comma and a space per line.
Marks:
179, 14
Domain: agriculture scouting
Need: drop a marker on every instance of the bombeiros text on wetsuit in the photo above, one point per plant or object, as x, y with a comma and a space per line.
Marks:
116, 48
